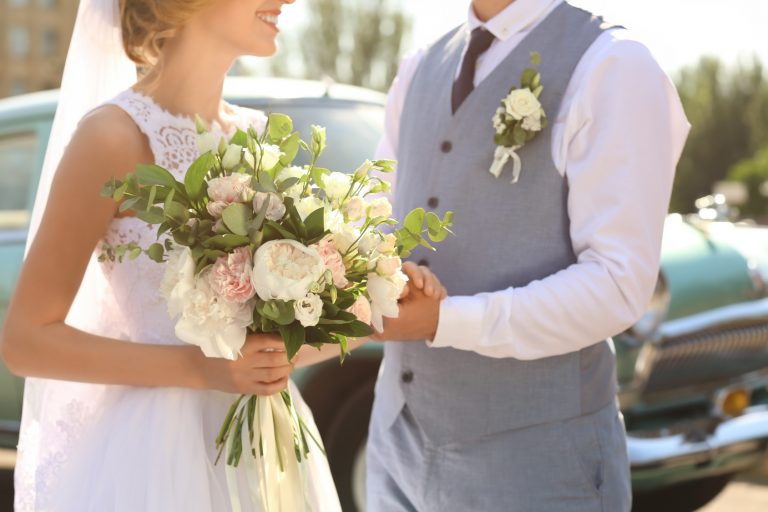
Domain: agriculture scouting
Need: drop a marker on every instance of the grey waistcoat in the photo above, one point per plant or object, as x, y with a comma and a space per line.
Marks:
506, 236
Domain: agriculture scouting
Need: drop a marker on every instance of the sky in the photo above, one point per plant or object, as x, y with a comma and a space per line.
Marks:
678, 32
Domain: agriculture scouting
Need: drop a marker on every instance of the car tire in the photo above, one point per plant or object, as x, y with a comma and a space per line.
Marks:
685, 497
345, 441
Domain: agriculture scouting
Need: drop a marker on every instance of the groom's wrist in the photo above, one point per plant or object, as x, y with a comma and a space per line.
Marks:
459, 323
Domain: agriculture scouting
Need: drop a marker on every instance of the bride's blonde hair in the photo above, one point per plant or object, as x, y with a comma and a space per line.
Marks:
148, 24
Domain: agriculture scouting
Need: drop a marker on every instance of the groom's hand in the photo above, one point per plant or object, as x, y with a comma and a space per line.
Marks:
419, 314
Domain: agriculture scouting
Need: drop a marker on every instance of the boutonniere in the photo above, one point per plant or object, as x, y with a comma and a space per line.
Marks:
518, 120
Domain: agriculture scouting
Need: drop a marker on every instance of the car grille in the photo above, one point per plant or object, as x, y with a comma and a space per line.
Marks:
708, 357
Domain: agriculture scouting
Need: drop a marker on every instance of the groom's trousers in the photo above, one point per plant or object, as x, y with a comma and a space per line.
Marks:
577, 465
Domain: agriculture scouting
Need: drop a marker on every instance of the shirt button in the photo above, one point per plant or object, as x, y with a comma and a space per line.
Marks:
423, 263
407, 376
446, 146
432, 202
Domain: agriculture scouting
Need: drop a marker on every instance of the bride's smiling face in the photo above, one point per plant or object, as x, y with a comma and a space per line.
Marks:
244, 27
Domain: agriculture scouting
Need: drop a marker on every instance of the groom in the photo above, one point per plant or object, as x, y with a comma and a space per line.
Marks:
509, 404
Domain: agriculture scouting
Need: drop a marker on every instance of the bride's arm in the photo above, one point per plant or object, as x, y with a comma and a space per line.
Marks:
35, 340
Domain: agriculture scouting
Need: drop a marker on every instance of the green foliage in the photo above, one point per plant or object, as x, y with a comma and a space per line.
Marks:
728, 111
753, 173
351, 42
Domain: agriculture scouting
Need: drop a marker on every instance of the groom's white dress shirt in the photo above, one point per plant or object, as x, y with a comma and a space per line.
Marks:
617, 139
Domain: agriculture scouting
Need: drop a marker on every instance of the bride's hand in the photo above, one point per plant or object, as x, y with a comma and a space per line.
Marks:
263, 369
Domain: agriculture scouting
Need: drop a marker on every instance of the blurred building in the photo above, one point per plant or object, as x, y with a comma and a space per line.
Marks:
34, 38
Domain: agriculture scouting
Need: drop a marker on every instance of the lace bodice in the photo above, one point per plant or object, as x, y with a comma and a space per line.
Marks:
135, 284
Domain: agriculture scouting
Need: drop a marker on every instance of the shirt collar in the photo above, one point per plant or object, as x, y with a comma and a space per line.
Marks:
515, 18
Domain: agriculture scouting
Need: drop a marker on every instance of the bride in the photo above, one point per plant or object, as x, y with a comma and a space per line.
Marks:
119, 415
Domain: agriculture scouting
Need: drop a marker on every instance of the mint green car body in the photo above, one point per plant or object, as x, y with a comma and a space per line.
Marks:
708, 332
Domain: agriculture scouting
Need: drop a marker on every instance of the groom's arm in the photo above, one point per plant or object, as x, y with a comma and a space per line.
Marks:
623, 136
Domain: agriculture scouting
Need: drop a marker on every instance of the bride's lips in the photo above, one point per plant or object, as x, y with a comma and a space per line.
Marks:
269, 18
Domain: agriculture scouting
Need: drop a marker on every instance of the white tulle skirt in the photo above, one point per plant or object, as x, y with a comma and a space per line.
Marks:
153, 450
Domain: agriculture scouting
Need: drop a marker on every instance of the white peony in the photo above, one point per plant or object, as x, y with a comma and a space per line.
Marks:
309, 309
275, 206
337, 185
521, 103
292, 172
384, 293
178, 279
285, 270
355, 208
308, 205
268, 155
217, 326
380, 207
232, 156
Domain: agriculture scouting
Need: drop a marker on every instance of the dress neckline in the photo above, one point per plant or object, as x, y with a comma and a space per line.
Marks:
229, 110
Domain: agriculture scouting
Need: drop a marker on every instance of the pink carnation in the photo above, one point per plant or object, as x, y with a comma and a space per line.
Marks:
362, 310
333, 261
225, 190
231, 276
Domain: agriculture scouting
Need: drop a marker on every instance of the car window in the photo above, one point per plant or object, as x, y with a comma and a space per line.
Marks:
353, 131
18, 155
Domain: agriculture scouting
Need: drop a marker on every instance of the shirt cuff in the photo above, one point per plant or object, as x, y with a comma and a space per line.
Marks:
460, 323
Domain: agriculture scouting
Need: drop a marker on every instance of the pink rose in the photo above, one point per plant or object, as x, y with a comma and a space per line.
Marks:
230, 276
333, 261
215, 208
234, 188
362, 310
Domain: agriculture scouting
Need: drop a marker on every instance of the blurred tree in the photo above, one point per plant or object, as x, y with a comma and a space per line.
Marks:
729, 113
753, 173
348, 41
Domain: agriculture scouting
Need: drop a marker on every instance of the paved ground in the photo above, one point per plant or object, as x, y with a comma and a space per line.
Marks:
749, 494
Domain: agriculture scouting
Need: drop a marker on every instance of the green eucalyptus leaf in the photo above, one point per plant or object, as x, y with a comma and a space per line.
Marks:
280, 126
435, 228
240, 138
294, 337
315, 223
290, 148
414, 221
156, 252
154, 215
176, 212
194, 179
226, 242
237, 217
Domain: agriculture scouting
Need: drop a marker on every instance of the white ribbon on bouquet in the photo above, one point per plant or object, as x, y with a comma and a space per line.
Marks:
501, 157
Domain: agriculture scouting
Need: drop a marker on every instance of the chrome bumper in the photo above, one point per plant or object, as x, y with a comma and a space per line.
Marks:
735, 445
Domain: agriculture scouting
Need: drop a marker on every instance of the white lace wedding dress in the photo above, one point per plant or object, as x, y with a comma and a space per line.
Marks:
95, 448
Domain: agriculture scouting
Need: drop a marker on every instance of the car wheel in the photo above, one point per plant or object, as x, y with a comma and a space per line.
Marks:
345, 442
685, 497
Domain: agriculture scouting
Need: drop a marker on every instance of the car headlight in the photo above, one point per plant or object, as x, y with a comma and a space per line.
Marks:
656, 313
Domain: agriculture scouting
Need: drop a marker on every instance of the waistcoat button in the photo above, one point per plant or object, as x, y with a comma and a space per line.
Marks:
432, 202
407, 376
446, 146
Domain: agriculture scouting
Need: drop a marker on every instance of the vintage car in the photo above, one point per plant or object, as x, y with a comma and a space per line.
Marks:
693, 372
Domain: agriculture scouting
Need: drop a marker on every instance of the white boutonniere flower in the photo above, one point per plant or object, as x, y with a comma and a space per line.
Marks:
518, 120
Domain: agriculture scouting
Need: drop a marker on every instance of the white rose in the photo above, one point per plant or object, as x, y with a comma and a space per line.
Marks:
334, 220
363, 170
345, 237
269, 155
384, 293
292, 172
337, 185
387, 266
380, 207
355, 208
275, 206
285, 270
232, 155
308, 205
388, 244
308, 310
521, 103
218, 327
207, 142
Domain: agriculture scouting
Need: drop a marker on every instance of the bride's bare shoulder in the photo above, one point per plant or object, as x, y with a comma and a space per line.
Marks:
108, 135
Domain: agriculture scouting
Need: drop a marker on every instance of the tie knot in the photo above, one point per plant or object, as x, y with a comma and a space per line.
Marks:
479, 41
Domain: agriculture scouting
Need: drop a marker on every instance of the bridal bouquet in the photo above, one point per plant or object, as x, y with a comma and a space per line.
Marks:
252, 243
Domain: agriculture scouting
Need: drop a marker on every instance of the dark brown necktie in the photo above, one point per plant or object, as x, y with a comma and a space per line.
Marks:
479, 42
